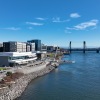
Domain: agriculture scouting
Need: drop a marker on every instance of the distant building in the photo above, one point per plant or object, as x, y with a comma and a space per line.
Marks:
14, 46
50, 48
1, 44
53, 48
43, 47
37, 44
1, 47
56, 48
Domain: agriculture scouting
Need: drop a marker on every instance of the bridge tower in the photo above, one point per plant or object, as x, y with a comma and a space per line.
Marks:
84, 46
97, 50
70, 46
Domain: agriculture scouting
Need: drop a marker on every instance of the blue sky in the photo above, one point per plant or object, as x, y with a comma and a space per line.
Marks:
55, 22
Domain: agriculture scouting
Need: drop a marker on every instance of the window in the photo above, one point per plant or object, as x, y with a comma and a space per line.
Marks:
9, 58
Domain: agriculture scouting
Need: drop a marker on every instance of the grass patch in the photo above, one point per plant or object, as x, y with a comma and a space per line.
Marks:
51, 55
2, 69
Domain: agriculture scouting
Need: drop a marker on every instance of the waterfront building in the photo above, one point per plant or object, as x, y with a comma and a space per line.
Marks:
37, 44
14, 46
50, 48
56, 48
53, 48
30, 47
43, 47
16, 58
41, 55
1, 44
1, 47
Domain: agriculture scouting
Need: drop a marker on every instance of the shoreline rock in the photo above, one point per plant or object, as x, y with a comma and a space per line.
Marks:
14, 90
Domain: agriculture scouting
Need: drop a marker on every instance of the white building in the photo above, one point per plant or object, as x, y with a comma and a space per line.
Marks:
16, 58
14, 46
43, 47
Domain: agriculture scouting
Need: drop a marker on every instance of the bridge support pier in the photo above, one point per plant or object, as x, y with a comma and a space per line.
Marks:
97, 51
84, 46
70, 47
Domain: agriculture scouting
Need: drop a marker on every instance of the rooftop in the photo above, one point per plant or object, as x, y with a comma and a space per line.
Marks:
16, 53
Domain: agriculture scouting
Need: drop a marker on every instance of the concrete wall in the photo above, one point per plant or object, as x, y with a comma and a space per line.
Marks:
28, 70
4, 61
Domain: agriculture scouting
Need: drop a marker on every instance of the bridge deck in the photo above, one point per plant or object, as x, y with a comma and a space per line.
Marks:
87, 49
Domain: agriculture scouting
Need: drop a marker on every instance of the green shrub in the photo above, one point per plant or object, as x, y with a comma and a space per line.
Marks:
8, 73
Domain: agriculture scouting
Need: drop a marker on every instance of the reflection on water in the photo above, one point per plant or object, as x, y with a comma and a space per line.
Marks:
78, 81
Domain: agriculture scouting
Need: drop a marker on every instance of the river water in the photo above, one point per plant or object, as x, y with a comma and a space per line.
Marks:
76, 81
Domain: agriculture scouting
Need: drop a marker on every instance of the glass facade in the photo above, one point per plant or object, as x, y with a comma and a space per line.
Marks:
21, 57
37, 44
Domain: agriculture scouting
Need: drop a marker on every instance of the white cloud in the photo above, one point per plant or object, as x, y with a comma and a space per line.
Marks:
35, 24
58, 20
84, 25
70, 28
40, 18
74, 15
30, 28
11, 28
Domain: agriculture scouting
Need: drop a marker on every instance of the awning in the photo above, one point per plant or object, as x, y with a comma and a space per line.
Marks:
19, 62
30, 56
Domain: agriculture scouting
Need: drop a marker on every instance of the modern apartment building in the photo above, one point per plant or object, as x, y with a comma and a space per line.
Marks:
14, 46
30, 47
37, 44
